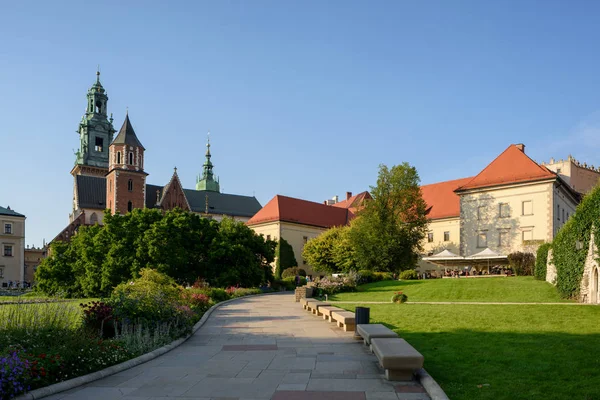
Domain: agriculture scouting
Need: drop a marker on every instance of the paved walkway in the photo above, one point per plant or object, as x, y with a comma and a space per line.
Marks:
264, 347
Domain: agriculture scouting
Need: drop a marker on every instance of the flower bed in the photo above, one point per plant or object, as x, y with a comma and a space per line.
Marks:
42, 344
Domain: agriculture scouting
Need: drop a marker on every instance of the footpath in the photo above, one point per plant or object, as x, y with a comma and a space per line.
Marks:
257, 348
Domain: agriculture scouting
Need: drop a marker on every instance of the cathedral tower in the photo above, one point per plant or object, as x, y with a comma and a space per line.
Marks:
95, 134
126, 179
207, 182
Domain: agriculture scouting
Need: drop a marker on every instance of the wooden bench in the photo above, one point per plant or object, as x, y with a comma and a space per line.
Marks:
344, 319
399, 359
372, 331
327, 310
313, 306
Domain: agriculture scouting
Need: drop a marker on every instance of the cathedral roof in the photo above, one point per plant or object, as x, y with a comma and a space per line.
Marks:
91, 191
127, 135
218, 203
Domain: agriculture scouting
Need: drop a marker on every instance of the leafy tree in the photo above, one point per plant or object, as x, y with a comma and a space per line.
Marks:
55, 273
320, 252
285, 257
388, 232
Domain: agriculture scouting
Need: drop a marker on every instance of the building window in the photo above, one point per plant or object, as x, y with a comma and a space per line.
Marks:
118, 157
303, 262
558, 170
129, 206
563, 215
130, 158
503, 237
93, 219
446, 236
268, 237
482, 239
480, 212
527, 234
558, 212
1, 272
8, 229
305, 239
130, 185
99, 144
430, 237
504, 210
567, 217
527, 207
8, 250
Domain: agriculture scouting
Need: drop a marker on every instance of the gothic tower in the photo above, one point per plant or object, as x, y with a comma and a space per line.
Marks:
95, 134
207, 182
126, 179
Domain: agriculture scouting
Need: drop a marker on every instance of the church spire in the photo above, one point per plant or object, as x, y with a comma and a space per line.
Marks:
207, 181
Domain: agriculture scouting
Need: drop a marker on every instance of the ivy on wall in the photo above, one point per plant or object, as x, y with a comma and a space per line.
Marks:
570, 246
541, 259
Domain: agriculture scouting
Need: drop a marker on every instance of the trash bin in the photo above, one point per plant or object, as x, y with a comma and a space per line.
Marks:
361, 316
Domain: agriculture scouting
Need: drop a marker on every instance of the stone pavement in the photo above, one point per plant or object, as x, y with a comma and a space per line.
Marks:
263, 347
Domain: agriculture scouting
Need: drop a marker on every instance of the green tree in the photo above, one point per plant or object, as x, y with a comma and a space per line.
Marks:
388, 232
55, 273
320, 252
284, 257
541, 260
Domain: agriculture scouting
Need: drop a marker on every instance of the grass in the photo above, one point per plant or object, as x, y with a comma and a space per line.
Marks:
494, 351
502, 289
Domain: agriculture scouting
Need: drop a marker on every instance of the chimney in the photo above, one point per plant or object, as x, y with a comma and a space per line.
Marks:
348, 195
521, 147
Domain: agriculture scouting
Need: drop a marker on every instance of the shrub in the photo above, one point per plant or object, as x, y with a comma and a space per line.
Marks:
284, 284
367, 276
98, 317
240, 292
151, 299
399, 298
292, 272
285, 257
409, 274
217, 294
541, 260
331, 285
522, 263
197, 300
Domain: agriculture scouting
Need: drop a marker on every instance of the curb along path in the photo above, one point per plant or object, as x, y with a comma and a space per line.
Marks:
258, 347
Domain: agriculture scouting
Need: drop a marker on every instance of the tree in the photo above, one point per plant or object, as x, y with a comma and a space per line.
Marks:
325, 252
285, 257
388, 232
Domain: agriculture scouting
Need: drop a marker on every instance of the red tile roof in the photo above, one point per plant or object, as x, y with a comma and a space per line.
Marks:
289, 209
355, 202
441, 200
512, 166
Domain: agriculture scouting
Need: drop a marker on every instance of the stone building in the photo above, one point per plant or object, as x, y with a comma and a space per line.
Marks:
513, 204
110, 174
12, 247
33, 258
298, 221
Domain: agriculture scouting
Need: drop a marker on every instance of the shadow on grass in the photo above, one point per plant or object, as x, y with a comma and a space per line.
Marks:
502, 365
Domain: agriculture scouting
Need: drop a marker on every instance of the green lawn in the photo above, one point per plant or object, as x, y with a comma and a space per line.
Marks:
491, 351
501, 289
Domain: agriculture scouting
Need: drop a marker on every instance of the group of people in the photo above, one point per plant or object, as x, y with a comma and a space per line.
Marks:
497, 270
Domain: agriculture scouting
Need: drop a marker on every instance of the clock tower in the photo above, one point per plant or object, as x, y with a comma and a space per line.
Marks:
95, 134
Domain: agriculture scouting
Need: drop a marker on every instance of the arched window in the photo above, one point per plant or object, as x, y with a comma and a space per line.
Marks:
129, 206
131, 158
93, 219
118, 157
130, 185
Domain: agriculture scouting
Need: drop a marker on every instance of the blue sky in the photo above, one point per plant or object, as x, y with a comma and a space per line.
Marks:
304, 99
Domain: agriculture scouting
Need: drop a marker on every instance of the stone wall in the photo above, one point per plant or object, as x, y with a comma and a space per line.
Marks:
303, 293
550, 269
588, 269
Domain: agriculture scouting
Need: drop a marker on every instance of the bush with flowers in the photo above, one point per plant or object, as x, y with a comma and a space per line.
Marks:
399, 298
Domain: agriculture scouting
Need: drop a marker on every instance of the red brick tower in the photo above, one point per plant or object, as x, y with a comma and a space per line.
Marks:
126, 179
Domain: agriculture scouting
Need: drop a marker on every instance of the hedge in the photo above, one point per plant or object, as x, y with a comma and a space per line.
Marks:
285, 257
541, 259
568, 259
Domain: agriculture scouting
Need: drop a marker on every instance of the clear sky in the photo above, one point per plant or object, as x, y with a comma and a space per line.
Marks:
302, 98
